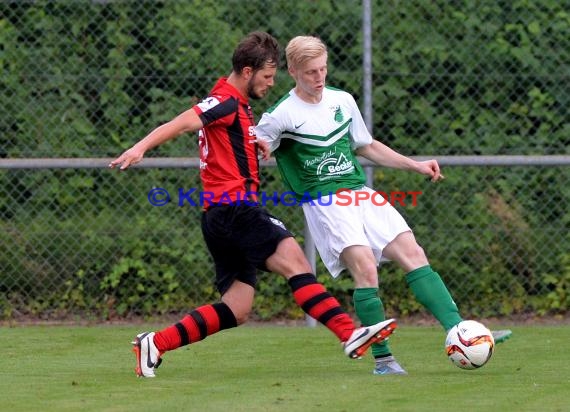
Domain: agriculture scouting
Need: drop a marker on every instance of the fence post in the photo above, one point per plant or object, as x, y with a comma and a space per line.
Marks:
367, 76
311, 255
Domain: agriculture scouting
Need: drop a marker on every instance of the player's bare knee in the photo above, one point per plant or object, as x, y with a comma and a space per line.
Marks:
299, 264
366, 279
289, 264
419, 251
418, 256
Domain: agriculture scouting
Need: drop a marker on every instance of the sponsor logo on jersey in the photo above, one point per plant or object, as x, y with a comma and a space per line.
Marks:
321, 158
330, 164
299, 125
333, 167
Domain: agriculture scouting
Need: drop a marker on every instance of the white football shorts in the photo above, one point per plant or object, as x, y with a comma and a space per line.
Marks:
345, 222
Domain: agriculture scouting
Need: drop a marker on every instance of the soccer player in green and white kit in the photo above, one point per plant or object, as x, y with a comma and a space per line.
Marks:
315, 133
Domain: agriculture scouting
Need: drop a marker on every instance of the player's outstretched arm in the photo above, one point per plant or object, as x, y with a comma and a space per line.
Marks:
184, 122
382, 155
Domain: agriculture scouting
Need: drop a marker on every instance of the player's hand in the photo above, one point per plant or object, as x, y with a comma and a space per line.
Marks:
431, 169
128, 158
263, 148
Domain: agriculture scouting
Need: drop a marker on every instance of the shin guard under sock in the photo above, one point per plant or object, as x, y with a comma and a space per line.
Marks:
370, 310
314, 299
431, 292
201, 322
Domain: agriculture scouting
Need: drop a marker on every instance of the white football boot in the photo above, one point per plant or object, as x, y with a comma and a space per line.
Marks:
363, 337
148, 356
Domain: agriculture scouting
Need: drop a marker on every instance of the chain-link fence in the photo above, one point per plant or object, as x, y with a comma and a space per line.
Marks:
86, 79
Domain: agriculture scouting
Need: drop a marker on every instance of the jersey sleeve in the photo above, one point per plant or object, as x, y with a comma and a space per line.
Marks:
217, 109
269, 129
360, 136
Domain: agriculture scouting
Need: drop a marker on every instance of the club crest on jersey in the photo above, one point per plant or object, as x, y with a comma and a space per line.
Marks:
338, 117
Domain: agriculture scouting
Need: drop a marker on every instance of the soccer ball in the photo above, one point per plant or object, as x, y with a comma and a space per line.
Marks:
469, 344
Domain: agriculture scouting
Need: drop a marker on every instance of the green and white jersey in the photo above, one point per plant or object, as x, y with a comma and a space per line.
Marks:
314, 143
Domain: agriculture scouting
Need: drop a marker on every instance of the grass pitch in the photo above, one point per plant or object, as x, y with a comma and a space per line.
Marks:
273, 368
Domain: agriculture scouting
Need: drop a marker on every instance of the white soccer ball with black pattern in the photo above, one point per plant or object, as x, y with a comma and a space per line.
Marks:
469, 344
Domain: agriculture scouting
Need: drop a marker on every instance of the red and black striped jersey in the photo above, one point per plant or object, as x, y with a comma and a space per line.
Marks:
229, 166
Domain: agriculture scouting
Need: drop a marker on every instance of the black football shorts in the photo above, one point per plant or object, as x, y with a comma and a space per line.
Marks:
240, 238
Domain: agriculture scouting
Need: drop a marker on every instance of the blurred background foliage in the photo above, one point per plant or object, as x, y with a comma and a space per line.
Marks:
89, 78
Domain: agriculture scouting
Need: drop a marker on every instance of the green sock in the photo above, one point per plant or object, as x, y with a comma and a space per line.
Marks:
370, 310
431, 292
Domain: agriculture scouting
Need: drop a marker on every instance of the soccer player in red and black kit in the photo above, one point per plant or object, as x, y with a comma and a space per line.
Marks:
241, 236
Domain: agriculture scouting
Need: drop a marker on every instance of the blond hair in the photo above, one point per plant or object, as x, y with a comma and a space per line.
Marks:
303, 48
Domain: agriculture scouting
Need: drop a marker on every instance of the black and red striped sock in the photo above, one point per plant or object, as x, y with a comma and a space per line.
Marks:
201, 322
314, 299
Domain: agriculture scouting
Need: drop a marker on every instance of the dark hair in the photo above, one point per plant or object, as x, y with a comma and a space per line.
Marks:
256, 50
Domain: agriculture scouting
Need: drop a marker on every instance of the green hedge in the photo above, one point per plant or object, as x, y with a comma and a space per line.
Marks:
89, 78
